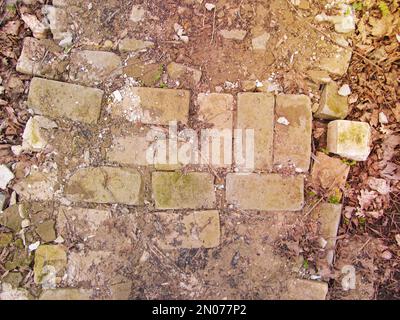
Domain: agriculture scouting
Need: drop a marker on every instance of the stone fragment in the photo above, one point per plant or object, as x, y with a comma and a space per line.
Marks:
34, 135
50, 263
260, 42
130, 149
93, 67
2, 201
132, 45
63, 100
292, 145
266, 192
68, 294
174, 190
148, 74
332, 105
137, 13
6, 176
46, 231
151, 105
344, 90
39, 29
38, 185
5, 239
209, 6
329, 174
234, 34
121, 290
319, 76
41, 58
328, 215
299, 289
13, 278
255, 112
216, 109
182, 73
13, 216
13, 294
349, 139
58, 22
106, 185
193, 230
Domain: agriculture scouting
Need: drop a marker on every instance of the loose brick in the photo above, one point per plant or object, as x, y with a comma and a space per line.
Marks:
129, 150
70, 294
216, 110
266, 192
151, 105
299, 289
106, 185
49, 258
256, 111
197, 229
328, 215
41, 58
292, 144
62, 100
130, 45
93, 67
349, 139
183, 74
329, 174
174, 190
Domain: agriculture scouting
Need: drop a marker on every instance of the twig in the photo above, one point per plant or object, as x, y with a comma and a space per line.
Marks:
213, 29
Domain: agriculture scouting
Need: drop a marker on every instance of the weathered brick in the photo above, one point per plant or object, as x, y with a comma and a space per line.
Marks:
349, 139
129, 150
183, 74
266, 192
196, 229
332, 105
41, 58
151, 105
256, 111
215, 109
299, 289
329, 174
292, 144
62, 100
49, 258
174, 190
106, 185
93, 67
130, 45
69, 294
328, 215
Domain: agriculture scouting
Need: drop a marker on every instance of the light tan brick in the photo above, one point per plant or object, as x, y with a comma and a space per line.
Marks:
328, 215
150, 105
174, 190
41, 58
196, 229
129, 150
292, 144
106, 185
63, 100
266, 192
256, 111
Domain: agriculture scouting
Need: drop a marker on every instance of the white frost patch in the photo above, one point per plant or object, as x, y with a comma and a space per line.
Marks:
283, 120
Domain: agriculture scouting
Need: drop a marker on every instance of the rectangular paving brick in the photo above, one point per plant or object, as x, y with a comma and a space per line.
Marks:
151, 105
266, 192
216, 110
63, 100
193, 230
292, 143
256, 111
300, 289
174, 190
106, 185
